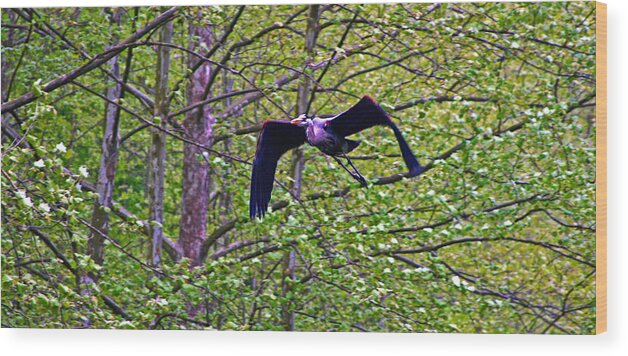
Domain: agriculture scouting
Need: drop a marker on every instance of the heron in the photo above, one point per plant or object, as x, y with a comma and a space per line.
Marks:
328, 134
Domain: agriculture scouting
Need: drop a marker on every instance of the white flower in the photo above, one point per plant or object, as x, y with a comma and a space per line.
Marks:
44, 207
60, 147
27, 201
456, 280
83, 171
21, 194
39, 164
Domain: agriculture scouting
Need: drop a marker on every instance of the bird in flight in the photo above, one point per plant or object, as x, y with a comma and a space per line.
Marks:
328, 135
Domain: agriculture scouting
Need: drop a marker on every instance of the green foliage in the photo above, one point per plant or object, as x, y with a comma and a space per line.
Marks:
498, 236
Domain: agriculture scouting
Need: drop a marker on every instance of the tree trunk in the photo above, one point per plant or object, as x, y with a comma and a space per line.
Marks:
225, 208
198, 125
8, 41
108, 160
8, 70
157, 153
304, 92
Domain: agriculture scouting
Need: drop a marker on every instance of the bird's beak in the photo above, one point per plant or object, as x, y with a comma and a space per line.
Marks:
297, 121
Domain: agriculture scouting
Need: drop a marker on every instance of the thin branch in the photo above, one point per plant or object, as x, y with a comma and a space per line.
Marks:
211, 239
144, 99
96, 62
55, 250
554, 248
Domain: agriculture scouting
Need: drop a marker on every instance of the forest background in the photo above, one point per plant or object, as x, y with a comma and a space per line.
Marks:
128, 135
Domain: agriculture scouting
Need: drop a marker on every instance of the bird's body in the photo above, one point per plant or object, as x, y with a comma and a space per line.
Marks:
319, 135
328, 135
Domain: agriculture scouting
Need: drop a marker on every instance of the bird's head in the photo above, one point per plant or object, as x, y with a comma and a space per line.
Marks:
302, 120
311, 121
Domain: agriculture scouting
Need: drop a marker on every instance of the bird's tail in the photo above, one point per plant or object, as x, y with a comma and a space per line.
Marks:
352, 145
414, 167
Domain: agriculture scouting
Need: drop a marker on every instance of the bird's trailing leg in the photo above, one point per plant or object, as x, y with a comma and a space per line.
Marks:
355, 173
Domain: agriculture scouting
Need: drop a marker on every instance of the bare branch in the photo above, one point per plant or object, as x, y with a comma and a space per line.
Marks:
95, 62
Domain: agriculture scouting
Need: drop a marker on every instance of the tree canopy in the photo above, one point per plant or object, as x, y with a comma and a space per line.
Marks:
128, 136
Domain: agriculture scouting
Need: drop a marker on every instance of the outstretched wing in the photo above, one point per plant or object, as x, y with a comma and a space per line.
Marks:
367, 113
275, 139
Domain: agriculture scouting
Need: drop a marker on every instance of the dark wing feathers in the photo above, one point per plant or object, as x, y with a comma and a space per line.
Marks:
367, 113
275, 139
